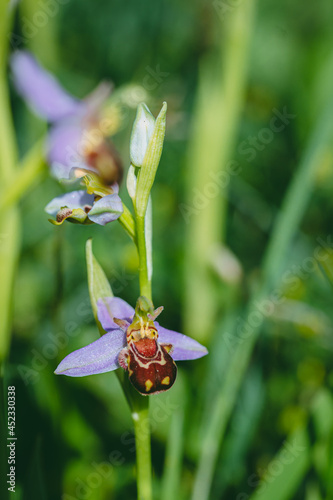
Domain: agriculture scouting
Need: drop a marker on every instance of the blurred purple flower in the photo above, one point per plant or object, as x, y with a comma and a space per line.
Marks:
102, 355
77, 139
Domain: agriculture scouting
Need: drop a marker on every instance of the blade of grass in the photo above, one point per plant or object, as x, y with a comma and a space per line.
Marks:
9, 251
45, 42
322, 411
288, 220
9, 225
30, 168
286, 470
215, 123
245, 421
173, 460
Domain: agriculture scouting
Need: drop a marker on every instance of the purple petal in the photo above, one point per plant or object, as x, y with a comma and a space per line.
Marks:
75, 199
64, 146
40, 89
99, 357
113, 307
184, 347
107, 209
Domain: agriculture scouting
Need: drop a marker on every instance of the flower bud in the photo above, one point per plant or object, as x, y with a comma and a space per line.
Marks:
150, 163
142, 130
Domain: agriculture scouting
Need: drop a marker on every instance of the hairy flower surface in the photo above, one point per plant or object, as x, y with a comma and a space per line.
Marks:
153, 345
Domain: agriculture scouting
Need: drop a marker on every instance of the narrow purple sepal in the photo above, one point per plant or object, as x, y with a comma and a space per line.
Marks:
98, 357
183, 347
113, 307
41, 90
107, 209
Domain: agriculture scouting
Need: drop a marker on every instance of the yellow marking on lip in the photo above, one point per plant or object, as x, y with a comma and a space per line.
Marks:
166, 381
148, 385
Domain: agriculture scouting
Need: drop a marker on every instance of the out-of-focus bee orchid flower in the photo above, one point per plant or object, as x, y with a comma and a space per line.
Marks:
134, 341
77, 137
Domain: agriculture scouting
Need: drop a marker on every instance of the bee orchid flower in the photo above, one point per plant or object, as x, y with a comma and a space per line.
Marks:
83, 208
135, 342
77, 138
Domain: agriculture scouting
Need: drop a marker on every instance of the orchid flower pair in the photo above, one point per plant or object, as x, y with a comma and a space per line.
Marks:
133, 339
77, 144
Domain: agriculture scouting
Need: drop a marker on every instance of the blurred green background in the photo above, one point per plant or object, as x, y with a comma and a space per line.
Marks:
225, 69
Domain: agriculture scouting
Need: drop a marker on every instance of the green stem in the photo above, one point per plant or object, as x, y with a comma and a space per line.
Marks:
139, 406
127, 221
143, 454
140, 414
145, 283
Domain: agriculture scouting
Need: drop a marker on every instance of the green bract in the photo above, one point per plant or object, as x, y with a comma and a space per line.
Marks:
99, 287
147, 172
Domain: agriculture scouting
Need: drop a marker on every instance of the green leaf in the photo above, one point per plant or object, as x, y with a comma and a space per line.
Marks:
149, 238
99, 287
246, 418
322, 409
9, 252
286, 470
150, 163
